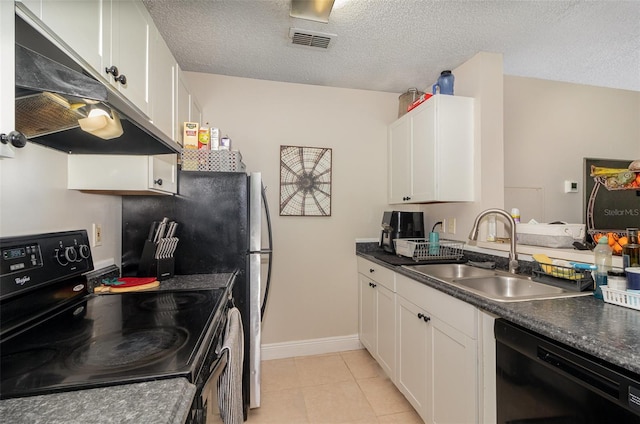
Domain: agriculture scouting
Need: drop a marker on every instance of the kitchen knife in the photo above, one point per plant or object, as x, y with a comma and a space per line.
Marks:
172, 229
161, 228
152, 230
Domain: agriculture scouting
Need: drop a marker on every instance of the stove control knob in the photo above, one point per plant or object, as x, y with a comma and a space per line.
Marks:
70, 254
85, 252
60, 256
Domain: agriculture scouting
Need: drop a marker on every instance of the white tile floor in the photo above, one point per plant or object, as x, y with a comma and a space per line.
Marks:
346, 387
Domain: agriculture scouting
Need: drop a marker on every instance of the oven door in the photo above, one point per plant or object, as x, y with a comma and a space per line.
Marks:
211, 411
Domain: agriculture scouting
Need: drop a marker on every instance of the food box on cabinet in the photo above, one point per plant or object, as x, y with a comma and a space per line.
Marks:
190, 135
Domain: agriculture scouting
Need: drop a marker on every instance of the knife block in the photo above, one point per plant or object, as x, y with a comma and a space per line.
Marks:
150, 266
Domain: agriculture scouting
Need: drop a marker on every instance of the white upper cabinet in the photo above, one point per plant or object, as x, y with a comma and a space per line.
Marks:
183, 104
162, 79
107, 34
7, 70
129, 52
89, 31
430, 152
121, 174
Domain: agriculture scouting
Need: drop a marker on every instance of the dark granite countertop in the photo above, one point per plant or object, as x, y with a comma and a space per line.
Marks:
196, 281
607, 331
160, 402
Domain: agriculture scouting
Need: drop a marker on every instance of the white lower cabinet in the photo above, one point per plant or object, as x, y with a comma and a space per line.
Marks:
122, 174
434, 344
377, 313
437, 353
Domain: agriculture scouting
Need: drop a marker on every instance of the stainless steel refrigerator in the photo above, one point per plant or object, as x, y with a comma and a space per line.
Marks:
223, 225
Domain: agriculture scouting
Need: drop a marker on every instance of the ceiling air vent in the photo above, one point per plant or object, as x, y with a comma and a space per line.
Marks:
306, 38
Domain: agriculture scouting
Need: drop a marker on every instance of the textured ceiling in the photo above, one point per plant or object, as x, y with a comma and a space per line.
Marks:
391, 45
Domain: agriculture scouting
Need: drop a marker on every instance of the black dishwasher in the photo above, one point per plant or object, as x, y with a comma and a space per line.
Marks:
539, 380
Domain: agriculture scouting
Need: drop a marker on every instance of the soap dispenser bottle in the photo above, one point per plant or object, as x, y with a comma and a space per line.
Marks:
603, 258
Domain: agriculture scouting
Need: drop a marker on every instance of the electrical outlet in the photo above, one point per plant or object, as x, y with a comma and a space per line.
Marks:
444, 225
97, 235
451, 225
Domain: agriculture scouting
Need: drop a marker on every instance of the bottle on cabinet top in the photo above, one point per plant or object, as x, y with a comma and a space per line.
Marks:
444, 84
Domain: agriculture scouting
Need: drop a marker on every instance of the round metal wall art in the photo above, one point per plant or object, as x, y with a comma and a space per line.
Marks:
305, 181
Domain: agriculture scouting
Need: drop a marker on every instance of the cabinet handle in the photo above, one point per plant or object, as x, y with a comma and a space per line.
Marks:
372, 270
113, 70
372, 285
406, 198
16, 138
158, 181
423, 317
122, 79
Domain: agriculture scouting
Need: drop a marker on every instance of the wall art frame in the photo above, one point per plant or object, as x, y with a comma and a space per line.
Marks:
305, 181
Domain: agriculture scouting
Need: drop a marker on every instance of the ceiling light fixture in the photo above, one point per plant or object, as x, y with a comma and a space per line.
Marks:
312, 10
101, 124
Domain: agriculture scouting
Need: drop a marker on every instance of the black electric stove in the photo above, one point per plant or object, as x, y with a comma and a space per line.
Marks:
57, 337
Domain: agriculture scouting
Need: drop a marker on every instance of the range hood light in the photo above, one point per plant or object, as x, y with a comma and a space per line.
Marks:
100, 124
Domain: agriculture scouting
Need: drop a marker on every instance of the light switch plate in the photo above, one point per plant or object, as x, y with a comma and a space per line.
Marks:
97, 235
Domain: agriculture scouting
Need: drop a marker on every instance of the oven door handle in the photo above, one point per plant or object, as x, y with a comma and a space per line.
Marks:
218, 364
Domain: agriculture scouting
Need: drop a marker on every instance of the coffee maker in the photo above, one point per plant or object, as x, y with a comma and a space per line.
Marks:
398, 224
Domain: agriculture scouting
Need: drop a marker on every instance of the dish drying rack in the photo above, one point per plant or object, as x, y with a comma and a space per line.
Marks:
423, 250
564, 277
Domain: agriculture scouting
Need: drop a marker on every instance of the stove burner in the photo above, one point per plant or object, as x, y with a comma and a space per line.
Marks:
120, 352
19, 363
173, 301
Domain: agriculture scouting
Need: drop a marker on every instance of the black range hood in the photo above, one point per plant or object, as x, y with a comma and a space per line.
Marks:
53, 91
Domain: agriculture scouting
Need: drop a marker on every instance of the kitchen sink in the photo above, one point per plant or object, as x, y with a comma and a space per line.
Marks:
499, 286
451, 271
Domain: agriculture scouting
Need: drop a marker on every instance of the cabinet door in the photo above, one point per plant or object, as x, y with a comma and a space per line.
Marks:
82, 32
414, 345
367, 320
399, 151
7, 77
386, 334
130, 50
423, 160
453, 397
162, 83
35, 6
162, 175
183, 103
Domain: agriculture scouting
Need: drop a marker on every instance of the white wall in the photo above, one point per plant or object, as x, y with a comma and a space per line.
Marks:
314, 290
34, 199
549, 128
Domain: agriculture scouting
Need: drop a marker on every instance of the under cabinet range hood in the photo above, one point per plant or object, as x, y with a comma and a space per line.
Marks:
58, 95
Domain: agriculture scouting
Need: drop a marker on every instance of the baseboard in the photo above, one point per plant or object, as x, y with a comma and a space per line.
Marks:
310, 347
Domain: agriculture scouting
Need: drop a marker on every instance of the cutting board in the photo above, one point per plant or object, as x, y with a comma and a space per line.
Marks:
129, 284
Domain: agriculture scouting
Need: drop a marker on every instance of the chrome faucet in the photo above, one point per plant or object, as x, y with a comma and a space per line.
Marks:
513, 255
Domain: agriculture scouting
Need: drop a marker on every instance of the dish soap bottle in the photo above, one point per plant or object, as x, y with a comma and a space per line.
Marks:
603, 256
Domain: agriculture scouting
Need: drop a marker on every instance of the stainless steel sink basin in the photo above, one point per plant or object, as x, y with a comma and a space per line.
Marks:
451, 271
499, 286
506, 288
